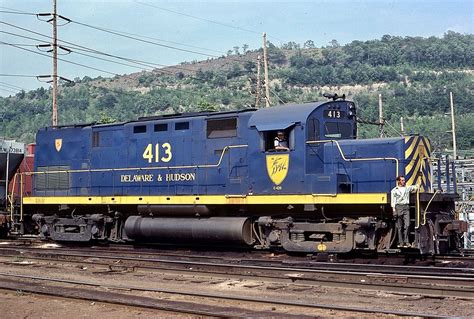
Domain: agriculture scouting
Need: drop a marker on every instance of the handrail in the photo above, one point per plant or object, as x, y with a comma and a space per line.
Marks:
356, 159
21, 198
417, 208
219, 162
12, 197
428, 205
95, 170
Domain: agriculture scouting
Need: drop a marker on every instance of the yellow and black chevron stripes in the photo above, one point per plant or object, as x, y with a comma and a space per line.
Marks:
418, 165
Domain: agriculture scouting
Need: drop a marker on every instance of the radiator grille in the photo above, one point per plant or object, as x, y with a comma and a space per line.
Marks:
49, 181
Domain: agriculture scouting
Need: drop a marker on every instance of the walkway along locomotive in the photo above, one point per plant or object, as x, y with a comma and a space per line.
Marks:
216, 178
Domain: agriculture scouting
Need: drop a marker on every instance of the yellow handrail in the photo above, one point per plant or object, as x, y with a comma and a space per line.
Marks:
417, 207
12, 197
21, 197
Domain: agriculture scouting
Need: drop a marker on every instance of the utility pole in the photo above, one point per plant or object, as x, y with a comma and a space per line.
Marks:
381, 120
401, 126
453, 127
257, 98
265, 66
55, 66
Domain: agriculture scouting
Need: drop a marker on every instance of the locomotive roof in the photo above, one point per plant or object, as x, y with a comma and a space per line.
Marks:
283, 116
191, 114
264, 119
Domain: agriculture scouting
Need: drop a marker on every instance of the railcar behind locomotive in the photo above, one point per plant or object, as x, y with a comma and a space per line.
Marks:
216, 178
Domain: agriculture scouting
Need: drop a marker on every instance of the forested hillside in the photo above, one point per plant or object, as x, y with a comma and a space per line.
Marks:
413, 74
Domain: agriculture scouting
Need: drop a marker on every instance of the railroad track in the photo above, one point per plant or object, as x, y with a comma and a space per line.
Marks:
426, 281
69, 289
219, 261
299, 276
466, 258
434, 267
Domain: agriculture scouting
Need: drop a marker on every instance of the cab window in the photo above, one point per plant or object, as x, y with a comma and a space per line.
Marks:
337, 130
269, 137
312, 129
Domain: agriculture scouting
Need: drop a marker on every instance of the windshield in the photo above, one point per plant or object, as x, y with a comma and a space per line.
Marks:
337, 130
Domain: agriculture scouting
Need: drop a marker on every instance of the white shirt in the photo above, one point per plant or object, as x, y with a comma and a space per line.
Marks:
280, 142
401, 195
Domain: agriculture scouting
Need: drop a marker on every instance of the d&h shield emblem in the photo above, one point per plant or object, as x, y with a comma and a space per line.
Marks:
277, 167
58, 143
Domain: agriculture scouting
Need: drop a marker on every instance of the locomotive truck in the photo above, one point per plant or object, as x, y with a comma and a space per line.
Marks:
215, 178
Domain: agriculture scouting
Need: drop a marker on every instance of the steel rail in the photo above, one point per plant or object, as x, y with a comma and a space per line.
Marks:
434, 285
173, 306
221, 296
146, 251
412, 270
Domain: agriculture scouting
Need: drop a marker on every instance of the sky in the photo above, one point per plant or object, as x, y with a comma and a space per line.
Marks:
197, 30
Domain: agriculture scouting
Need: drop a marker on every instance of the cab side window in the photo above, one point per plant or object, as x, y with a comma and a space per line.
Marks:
312, 130
278, 141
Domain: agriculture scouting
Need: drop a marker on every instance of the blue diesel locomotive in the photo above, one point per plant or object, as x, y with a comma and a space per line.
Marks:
217, 178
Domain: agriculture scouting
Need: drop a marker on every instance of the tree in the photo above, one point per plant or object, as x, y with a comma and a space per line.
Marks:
219, 80
245, 47
106, 101
236, 50
205, 106
334, 44
290, 46
105, 118
235, 71
275, 55
309, 44
21, 95
249, 66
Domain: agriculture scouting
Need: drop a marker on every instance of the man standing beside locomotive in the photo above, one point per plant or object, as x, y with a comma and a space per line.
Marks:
400, 200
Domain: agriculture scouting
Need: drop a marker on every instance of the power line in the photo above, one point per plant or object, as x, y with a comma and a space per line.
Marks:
197, 18
172, 42
393, 128
11, 85
120, 34
112, 61
283, 102
18, 75
60, 59
140, 39
138, 62
76, 46
203, 19
136, 38
84, 54
17, 12
8, 90
24, 45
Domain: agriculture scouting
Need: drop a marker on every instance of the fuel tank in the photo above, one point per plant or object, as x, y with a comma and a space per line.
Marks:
235, 230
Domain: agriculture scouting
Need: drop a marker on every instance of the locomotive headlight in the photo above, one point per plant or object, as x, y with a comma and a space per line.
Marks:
352, 110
